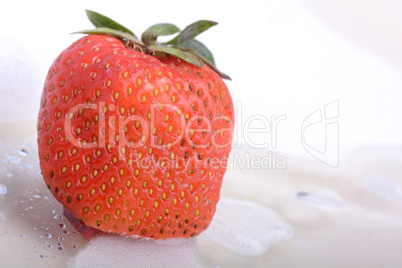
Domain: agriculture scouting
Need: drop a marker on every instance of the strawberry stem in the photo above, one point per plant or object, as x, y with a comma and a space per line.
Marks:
183, 46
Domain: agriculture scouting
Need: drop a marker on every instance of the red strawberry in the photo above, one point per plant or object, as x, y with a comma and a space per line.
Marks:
131, 133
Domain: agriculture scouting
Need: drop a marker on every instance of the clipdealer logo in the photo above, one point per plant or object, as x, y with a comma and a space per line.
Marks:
327, 119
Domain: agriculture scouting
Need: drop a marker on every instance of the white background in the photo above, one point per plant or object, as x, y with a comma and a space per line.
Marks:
285, 57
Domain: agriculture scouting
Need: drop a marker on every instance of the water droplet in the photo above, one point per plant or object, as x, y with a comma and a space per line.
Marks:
22, 236
321, 198
36, 196
23, 152
43, 256
3, 189
28, 166
48, 235
62, 225
14, 159
53, 211
28, 144
9, 174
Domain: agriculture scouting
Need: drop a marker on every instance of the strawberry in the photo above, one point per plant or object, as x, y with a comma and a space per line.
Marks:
134, 135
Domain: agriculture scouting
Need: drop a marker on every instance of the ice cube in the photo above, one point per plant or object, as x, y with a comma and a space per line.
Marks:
108, 250
247, 228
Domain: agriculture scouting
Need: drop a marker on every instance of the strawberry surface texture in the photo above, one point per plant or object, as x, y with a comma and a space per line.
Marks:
134, 143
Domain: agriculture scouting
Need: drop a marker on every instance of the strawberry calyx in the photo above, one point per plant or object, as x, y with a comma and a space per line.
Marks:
183, 45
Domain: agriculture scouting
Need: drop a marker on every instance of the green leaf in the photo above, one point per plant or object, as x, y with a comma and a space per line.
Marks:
111, 32
101, 21
192, 31
151, 34
207, 62
199, 47
180, 53
213, 67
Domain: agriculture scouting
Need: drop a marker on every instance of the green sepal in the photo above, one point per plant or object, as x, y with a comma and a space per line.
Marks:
151, 34
183, 46
106, 31
212, 66
180, 53
101, 21
207, 62
192, 31
199, 47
